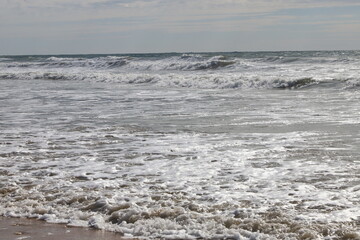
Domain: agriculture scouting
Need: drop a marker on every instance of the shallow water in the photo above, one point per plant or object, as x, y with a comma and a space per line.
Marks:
152, 160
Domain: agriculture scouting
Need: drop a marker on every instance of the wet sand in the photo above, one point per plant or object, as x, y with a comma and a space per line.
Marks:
19, 228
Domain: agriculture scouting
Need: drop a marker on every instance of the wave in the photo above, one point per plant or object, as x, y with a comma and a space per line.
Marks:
5, 59
295, 84
352, 84
278, 70
185, 62
202, 81
280, 59
307, 60
58, 62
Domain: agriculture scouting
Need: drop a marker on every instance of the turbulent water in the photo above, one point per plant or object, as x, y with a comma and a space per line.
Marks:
261, 145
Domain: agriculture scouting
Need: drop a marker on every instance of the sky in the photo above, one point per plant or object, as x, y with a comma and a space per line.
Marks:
148, 26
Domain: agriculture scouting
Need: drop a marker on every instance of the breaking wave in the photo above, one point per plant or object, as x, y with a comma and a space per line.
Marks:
202, 81
5, 59
185, 62
278, 70
57, 62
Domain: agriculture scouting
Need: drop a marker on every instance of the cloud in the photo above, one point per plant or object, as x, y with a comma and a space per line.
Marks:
173, 7
51, 19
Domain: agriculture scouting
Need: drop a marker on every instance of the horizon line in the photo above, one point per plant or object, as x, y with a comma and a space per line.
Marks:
178, 52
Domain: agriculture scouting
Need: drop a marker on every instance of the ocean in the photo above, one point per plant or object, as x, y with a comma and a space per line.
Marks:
240, 145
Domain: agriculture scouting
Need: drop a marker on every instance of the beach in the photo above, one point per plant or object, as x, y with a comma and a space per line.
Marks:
20, 228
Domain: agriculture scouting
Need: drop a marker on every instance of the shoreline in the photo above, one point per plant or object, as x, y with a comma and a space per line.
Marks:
24, 228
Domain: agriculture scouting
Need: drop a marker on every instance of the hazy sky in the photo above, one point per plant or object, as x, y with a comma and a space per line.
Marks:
125, 26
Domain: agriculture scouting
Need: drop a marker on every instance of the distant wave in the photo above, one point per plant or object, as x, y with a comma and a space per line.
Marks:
280, 59
5, 59
307, 60
57, 62
185, 62
294, 84
205, 81
273, 70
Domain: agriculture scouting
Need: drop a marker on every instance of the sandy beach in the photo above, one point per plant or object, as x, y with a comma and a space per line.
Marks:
18, 229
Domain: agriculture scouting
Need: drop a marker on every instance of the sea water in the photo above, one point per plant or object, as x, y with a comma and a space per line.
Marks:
261, 145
